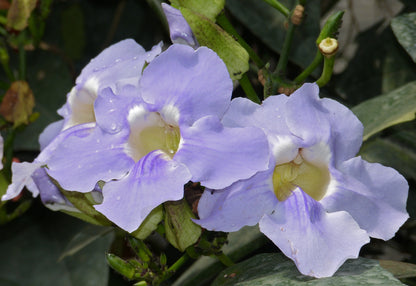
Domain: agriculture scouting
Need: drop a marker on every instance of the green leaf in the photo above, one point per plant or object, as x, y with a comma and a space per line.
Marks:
181, 231
85, 237
211, 35
149, 224
387, 110
19, 13
32, 244
241, 243
209, 9
276, 269
399, 269
268, 25
404, 28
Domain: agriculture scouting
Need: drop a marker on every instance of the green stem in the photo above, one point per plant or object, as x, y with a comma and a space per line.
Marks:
248, 89
314, 64
223, 21
225, 259
284, 55
278, 6
178, 264
327, 72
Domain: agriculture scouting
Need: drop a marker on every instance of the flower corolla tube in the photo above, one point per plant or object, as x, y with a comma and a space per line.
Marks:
148, 139
317, 202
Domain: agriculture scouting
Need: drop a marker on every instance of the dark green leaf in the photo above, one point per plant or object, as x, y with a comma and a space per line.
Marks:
150, 223
32, 244
268, 25
241, 243
404, 27
387, 110
73, 32
276, 269
399, 269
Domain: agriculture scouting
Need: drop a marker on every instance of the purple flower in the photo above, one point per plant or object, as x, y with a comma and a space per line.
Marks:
179, 29
317, 202
116, 66
168, 132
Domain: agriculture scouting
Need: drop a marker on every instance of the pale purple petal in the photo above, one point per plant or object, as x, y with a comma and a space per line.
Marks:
374, 195
49, 193
111, 110
155, 179
81, 161
179, 29
306, 117
22, 177
241, 204
346, 130
50, 132
196, 83
318, 242
218, 156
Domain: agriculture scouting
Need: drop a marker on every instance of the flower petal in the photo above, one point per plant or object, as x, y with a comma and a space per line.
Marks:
374, 195
49, 193
318, 242
197, 82
306, 117
241, 204
21, 177
50, 133
153, 180
84, 159
218, 156
111, 110
179, 29
346, 129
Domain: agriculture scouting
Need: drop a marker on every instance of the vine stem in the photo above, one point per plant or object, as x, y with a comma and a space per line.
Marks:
248, 89
327, 72
225, 259
278, 6
314, 64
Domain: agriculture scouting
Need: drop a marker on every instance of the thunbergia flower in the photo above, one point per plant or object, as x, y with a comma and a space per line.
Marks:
116, 66
317, 202
169, 132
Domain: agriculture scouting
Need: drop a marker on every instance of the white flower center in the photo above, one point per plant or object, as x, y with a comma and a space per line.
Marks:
312, 175
149, 131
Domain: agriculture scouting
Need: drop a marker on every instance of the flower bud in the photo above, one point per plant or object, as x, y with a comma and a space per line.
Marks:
297, 15
328, 47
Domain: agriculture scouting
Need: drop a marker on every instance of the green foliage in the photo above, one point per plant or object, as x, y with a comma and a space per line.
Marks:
276, 269
149, 224
209, 9
387, 110
181, 231
404, 28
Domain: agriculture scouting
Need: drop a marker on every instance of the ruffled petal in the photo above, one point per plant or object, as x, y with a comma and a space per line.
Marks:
374, 195
196, 83
81, 161
218, 156
22, 177
111, 110
318, 242
153, 180
306, 117
179, 29
346, 130
241, 204
49, 193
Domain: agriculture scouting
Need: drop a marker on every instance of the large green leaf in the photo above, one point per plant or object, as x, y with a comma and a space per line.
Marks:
241, 243
276, 269
404, 27
31, 245
268, 25
210, 9
388, 109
